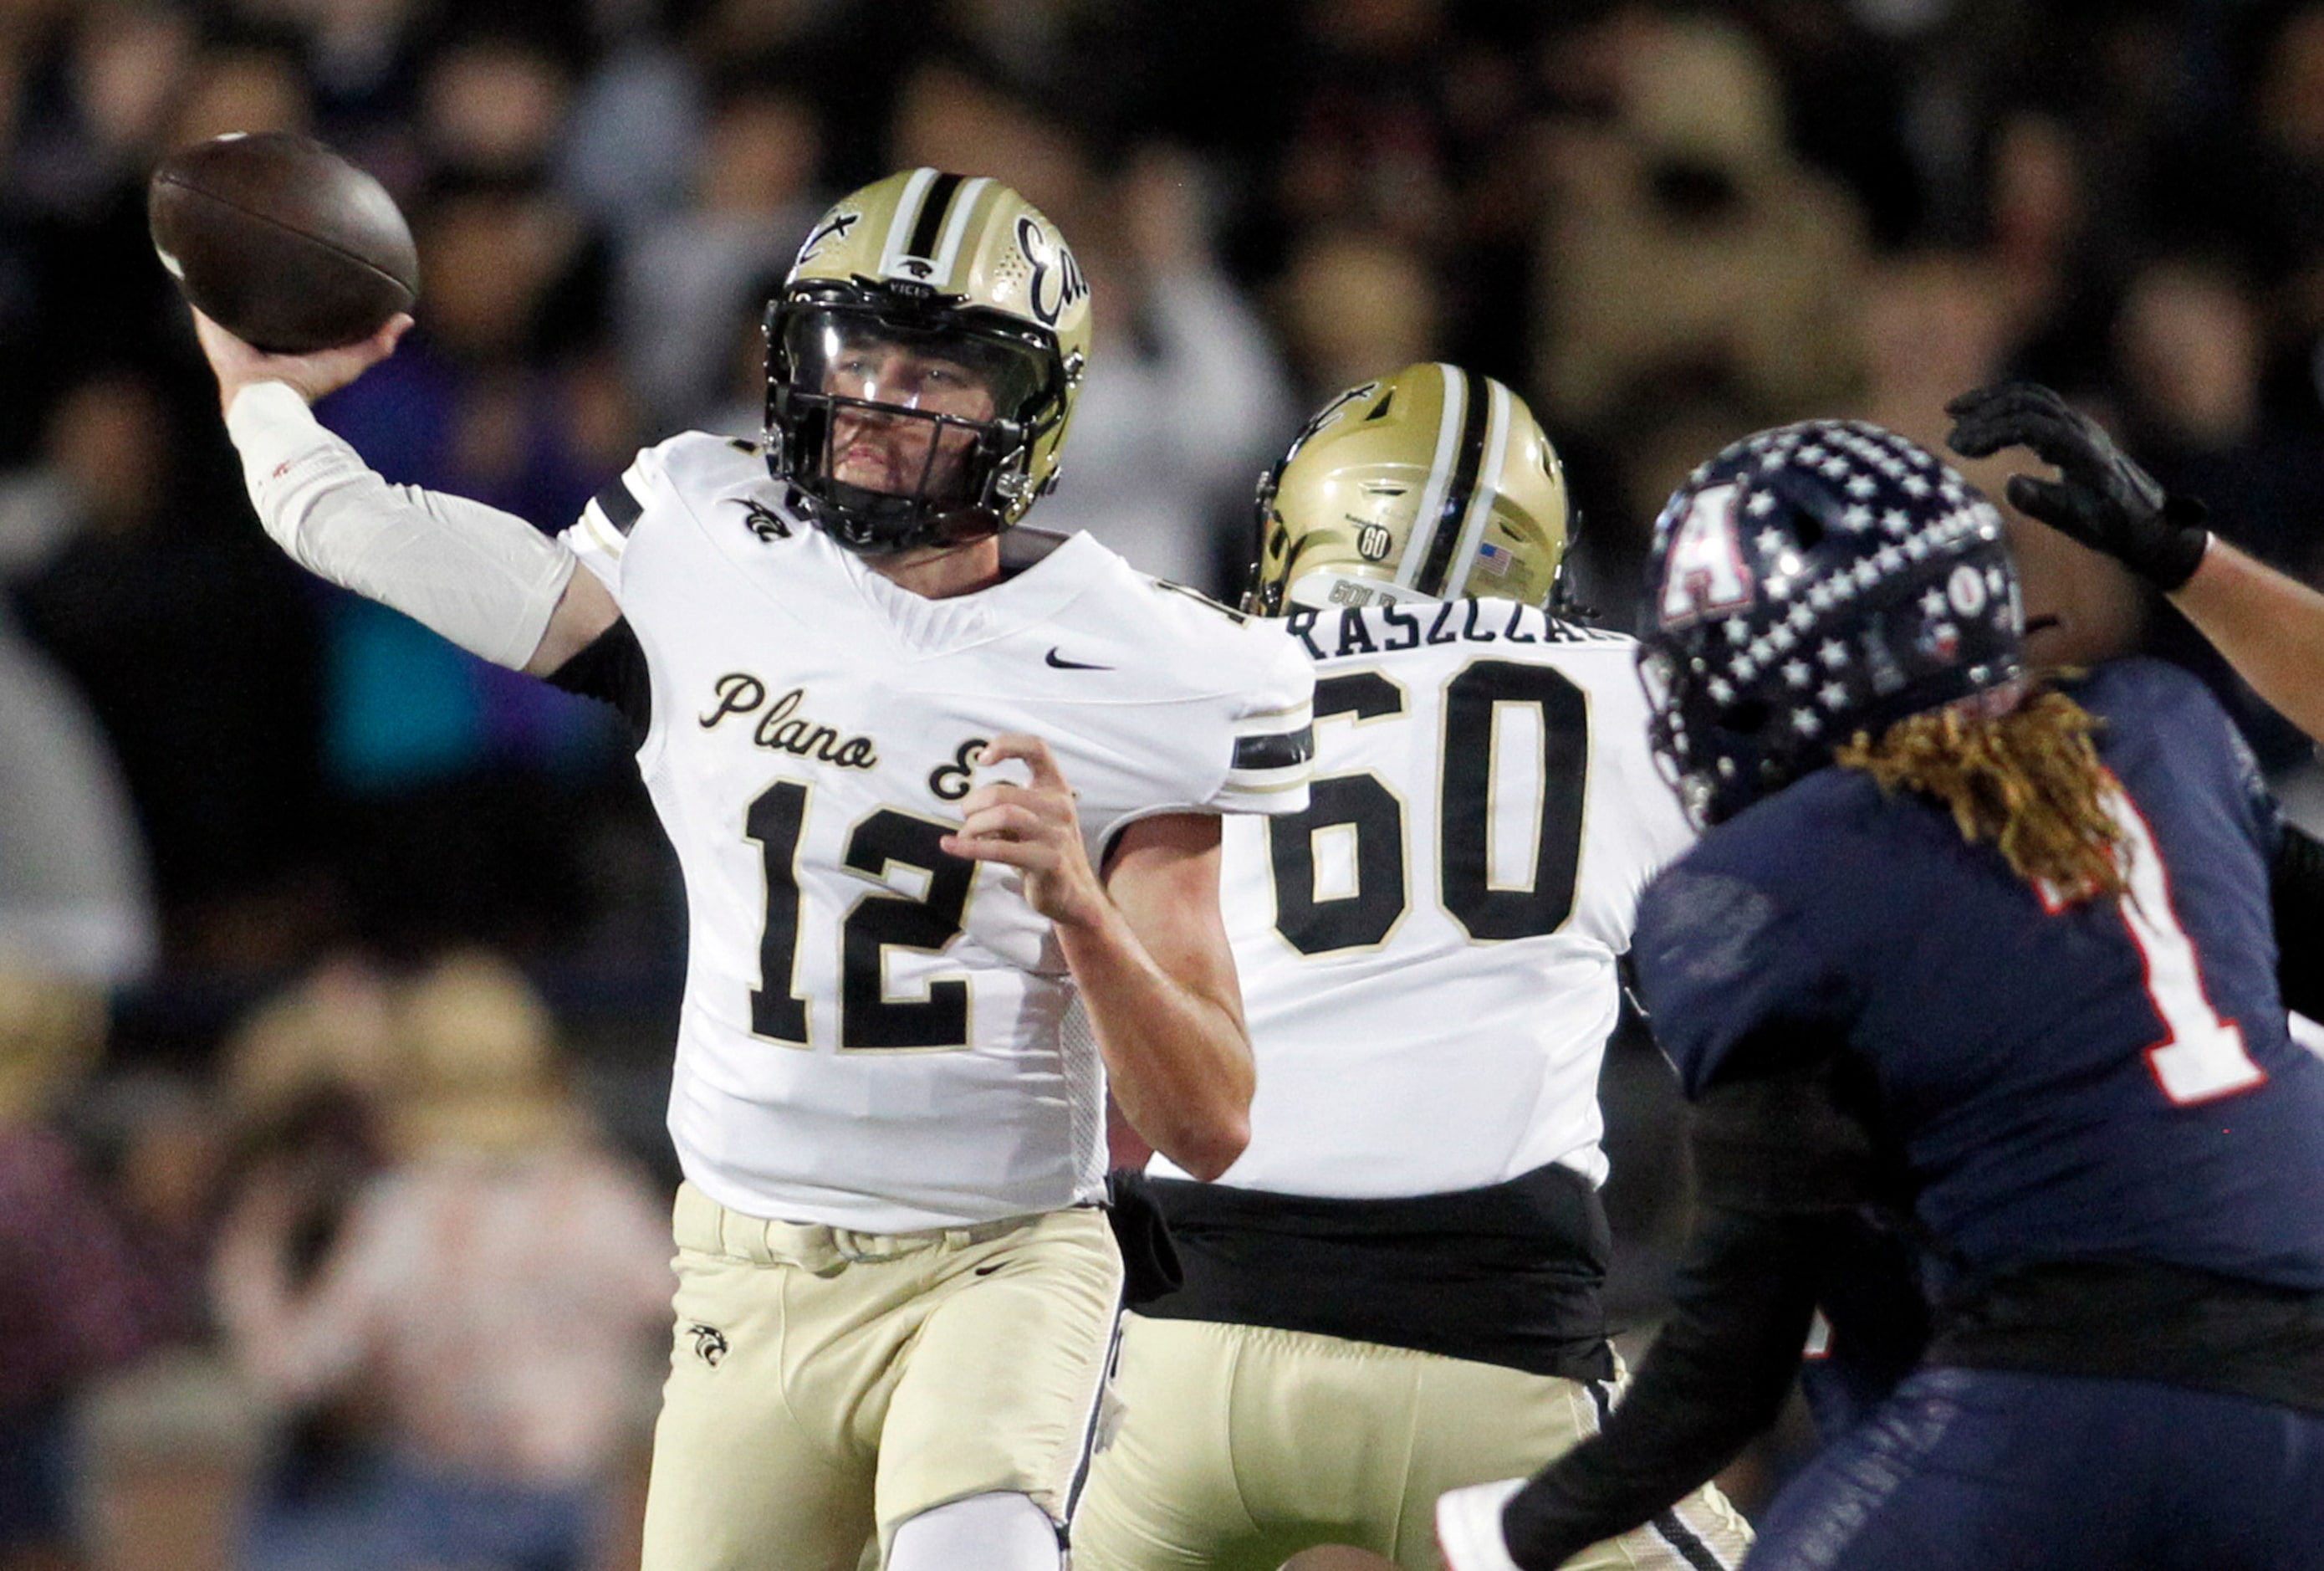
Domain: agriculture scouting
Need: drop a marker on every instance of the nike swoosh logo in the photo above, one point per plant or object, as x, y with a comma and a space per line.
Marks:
1061, 663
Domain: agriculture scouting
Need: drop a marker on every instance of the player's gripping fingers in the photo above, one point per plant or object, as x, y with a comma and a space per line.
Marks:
2023, 414
1034, 831
2060, 505
1004, 823
237, 365
2002, 403
1034, 753
2056, 437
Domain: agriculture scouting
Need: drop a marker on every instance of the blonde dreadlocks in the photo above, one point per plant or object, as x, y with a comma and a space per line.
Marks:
2027, 779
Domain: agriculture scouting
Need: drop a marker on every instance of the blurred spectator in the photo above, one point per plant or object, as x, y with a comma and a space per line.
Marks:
305, 1084
1934, 324
93, 135
76, 896
1188, 401
187, 633
72, 1299
493, 104
2287, 209
359, 58
2041, 249
247, 88
79, 288
1352, 304
501, 1290
687, 279
1690, 263
634, 139
74, 893
305, 1078
1369, 149
2190, 348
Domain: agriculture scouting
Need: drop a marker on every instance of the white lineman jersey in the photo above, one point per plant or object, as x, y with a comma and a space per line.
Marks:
1428, 953
870, 1036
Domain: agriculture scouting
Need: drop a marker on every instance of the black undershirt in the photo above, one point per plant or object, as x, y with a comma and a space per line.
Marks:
1508, 1274
612, 669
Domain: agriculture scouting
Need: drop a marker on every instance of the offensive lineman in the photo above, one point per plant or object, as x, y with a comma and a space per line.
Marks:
896, 1294
1395, 1289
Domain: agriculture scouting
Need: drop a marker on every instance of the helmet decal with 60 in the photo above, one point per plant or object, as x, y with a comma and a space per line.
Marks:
923, 359
1810, 584
1429, 484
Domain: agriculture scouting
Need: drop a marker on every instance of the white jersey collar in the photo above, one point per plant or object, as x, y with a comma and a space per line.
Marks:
1025, 599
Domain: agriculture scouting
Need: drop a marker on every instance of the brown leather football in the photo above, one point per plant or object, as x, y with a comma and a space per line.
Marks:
281, 241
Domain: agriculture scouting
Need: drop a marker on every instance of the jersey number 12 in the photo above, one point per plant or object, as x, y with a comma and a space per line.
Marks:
868, 1018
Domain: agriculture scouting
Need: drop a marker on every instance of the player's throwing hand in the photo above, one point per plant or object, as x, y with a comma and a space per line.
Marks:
1034, 827
310, 376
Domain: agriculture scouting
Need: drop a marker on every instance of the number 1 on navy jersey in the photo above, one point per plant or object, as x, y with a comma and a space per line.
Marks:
2201, 1056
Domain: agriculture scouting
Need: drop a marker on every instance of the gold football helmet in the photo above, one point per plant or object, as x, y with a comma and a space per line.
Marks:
1429, 484
906, 293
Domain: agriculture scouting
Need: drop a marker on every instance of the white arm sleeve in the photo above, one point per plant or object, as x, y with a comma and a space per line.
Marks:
484, 578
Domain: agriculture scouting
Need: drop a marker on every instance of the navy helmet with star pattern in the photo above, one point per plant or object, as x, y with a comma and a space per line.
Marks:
1810, 584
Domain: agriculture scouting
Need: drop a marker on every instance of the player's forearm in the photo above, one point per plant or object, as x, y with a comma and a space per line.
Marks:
1715, 1377
484, 578
1178, 1060
2270, 627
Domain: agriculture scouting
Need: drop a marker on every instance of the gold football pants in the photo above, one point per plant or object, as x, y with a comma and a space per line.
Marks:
1237, 1445
826, 1385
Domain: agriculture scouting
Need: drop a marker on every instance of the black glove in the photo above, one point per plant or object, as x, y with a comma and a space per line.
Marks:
2104, 500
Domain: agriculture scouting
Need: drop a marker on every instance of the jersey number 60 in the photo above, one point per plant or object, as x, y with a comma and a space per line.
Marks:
1363, 803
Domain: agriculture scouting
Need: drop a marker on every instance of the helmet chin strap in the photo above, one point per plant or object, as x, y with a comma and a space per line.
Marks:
967, 526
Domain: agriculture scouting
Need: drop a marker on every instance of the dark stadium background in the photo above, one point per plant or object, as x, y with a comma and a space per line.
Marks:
1665, 226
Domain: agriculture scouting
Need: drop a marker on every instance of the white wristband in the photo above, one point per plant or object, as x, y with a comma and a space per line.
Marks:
484, 578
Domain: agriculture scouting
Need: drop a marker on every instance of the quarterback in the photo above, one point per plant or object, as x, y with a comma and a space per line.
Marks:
927, 779
1394, 1290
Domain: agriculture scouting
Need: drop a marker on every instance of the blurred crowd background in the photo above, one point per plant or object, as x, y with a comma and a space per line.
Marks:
337, 969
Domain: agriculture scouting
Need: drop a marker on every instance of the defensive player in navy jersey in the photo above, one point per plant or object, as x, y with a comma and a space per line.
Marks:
1995, 958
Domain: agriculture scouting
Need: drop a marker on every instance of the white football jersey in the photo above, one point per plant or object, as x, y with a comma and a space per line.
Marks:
1428, 952
870, 1033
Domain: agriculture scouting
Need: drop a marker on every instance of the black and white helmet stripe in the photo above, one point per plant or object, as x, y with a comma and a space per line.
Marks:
930, 221
1472, 440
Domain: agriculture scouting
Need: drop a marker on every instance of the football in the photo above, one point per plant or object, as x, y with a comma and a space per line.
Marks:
281, 241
